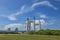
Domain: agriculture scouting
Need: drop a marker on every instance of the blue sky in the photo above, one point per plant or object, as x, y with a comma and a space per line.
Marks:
13, 13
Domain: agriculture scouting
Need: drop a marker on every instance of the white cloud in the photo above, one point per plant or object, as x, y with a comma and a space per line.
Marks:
51, 22
15, 25
23, 9
46, 3
12, 16
43, 16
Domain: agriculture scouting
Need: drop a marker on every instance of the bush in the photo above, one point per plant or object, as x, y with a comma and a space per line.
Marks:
31, 32
46, 32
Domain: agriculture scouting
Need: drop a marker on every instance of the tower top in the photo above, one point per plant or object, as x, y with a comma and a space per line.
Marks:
34, 18
27, 19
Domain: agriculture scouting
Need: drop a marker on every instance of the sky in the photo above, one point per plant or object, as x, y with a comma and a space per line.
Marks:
13, 13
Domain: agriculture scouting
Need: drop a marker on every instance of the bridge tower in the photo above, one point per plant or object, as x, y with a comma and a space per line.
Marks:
28, 25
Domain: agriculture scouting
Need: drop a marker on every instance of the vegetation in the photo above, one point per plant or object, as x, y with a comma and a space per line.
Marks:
27, 37
38, 35
31, 32
46, 32
6, 32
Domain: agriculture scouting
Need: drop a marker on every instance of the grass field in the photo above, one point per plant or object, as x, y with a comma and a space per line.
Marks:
27, 37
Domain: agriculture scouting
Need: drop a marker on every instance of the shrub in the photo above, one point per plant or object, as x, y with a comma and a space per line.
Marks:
46, 32
31, 32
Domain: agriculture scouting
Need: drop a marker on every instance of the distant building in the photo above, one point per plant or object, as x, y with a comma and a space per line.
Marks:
16, 30
9, 29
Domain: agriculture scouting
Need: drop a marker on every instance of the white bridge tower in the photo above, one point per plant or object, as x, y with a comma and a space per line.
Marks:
28, 24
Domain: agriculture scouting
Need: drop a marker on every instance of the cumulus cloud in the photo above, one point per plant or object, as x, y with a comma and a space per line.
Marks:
45, 3
43, 16
15, 25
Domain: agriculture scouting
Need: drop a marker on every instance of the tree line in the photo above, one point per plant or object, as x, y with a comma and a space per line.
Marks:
46, 32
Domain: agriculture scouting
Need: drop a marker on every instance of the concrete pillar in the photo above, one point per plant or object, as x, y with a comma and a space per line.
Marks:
9, 29
16, 30
39, 25
34, 23
28, 25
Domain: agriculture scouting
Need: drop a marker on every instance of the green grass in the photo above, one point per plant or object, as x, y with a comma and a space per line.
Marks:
27, 37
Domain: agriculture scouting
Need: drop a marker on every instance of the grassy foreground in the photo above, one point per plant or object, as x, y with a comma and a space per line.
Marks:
27, 37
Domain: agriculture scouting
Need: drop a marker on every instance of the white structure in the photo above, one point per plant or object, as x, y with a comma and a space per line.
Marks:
28, 24
34, 23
